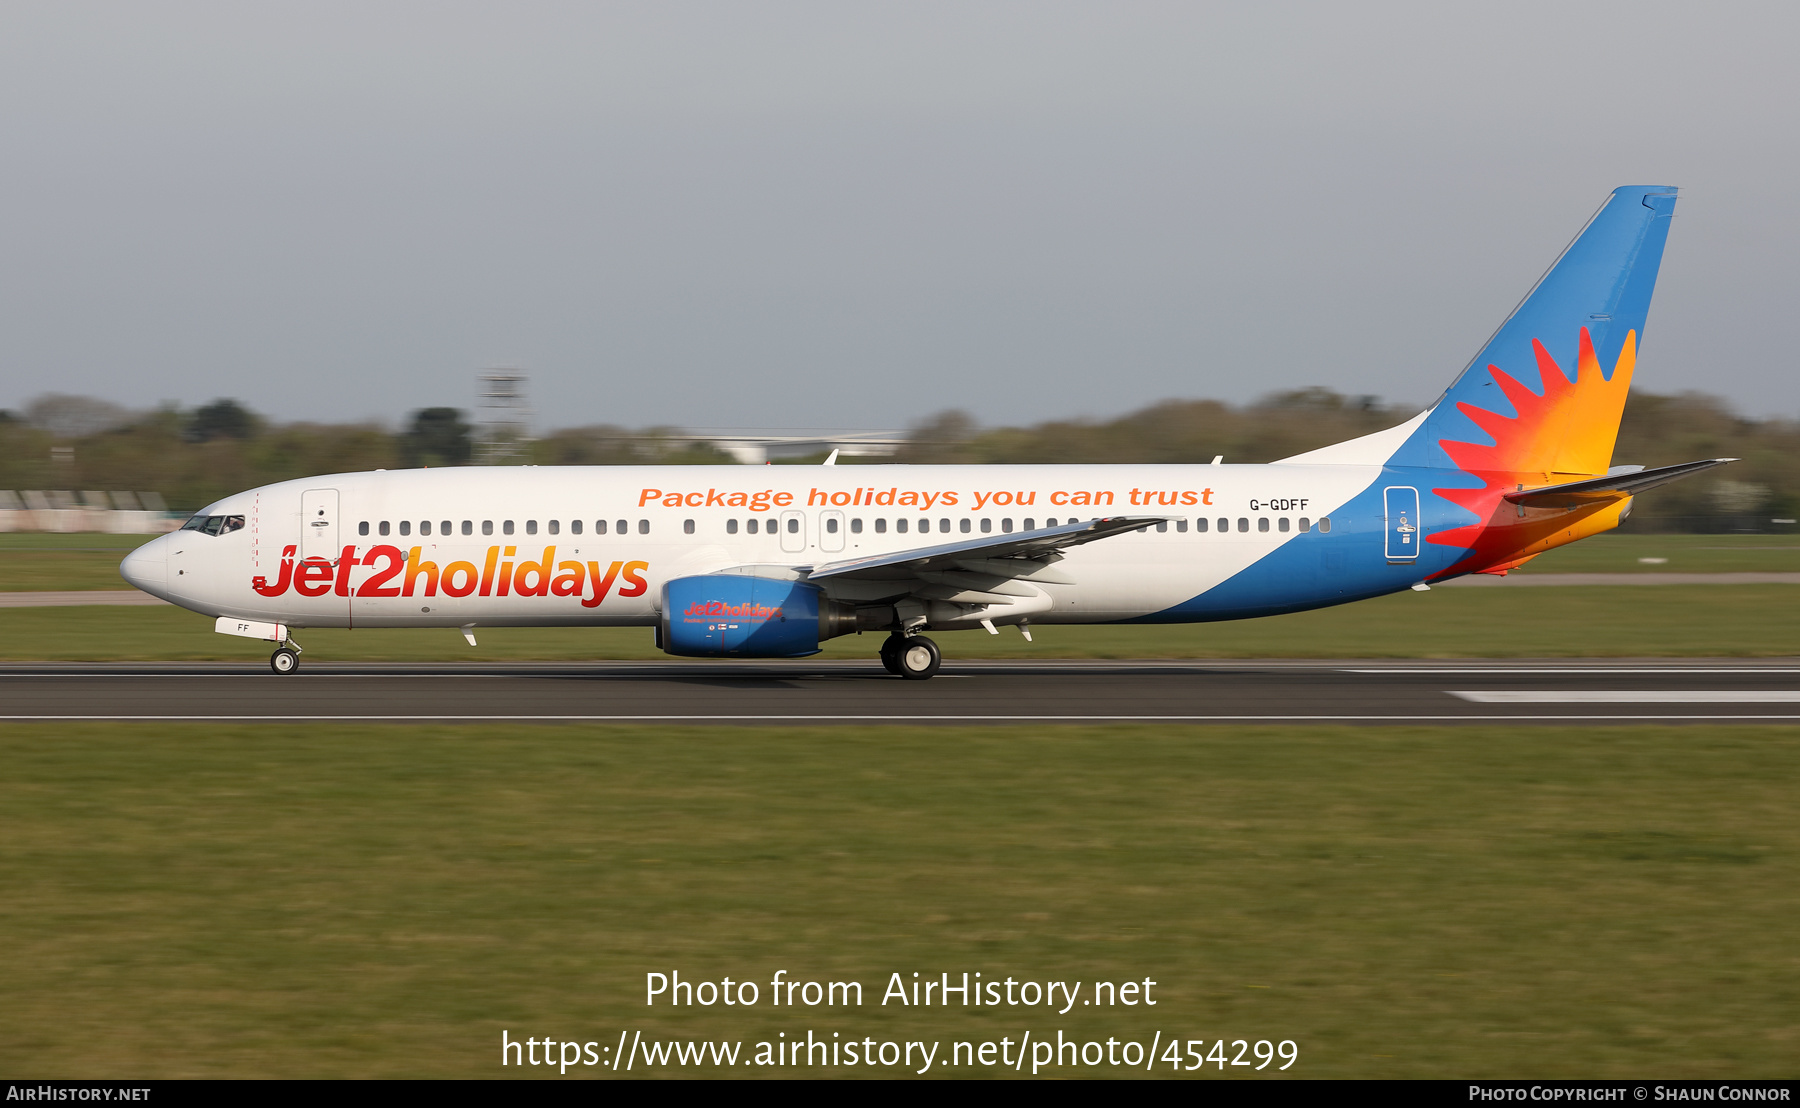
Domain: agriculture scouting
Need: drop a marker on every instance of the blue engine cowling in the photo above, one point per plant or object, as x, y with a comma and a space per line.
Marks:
731, 615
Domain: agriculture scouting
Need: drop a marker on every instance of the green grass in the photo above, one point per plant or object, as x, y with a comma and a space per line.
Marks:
1608, 621
278, 900
80, 541
1614, 553
59, 570
31, 562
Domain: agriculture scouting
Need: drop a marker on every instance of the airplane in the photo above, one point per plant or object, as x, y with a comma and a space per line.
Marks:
768, 562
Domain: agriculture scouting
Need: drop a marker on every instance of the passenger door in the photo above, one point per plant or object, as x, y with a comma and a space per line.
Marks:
319, 524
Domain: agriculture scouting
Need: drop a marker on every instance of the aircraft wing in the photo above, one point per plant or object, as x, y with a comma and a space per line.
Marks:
1028, 550
1613, 486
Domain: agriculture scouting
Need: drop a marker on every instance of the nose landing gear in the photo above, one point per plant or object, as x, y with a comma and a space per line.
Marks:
286, 658
915, 658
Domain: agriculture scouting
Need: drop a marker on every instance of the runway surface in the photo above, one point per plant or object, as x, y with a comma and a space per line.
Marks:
859, 693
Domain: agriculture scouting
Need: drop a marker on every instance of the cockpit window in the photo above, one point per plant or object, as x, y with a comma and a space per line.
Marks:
214, 525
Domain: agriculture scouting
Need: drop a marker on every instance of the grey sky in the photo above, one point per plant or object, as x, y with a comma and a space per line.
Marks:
845, 214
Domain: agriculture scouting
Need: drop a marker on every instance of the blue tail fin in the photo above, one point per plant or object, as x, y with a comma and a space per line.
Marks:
1584, 320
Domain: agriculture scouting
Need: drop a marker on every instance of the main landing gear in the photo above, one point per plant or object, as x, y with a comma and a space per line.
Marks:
286, 658
915, 658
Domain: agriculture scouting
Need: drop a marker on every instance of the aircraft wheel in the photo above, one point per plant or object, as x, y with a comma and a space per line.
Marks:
284, 661
890, 654
919, 658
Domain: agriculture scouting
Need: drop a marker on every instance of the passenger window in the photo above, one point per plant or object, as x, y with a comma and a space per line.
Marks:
424, 527
1305, 525
830, 525
1006, 526
1181, 526
406, 527
1282, 524
574, 527
468, 527
1028, 524
643, 527
443, 527
750, 525
1243, 524
731, 527
1201, 526
900, 525
1163, 527
1325, 525
1224, 524
1051, 522
383, 528
555, 526
361, 528
487, 526
531, 527
856, 527
599, 527
944, 525
1262, 523
793, 526
987, 526
506, 527
624, 528
687, 526
881, 527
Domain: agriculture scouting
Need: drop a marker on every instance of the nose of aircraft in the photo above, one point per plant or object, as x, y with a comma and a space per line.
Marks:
147, 567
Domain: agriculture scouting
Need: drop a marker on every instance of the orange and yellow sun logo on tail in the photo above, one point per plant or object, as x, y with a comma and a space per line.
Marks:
1563, 434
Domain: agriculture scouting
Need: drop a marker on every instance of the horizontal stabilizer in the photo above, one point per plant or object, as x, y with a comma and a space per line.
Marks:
1037, 543
1613, 486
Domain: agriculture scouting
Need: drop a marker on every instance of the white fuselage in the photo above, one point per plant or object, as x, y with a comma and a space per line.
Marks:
534, 546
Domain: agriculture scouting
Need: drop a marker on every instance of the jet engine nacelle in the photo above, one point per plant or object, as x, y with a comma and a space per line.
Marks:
730, 615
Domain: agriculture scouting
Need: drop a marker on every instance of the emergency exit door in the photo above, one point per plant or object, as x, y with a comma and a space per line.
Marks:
831, 531
793, 532
1403, 533
319, 524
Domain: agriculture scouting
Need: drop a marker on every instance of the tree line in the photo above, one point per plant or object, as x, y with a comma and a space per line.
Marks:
193, 457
